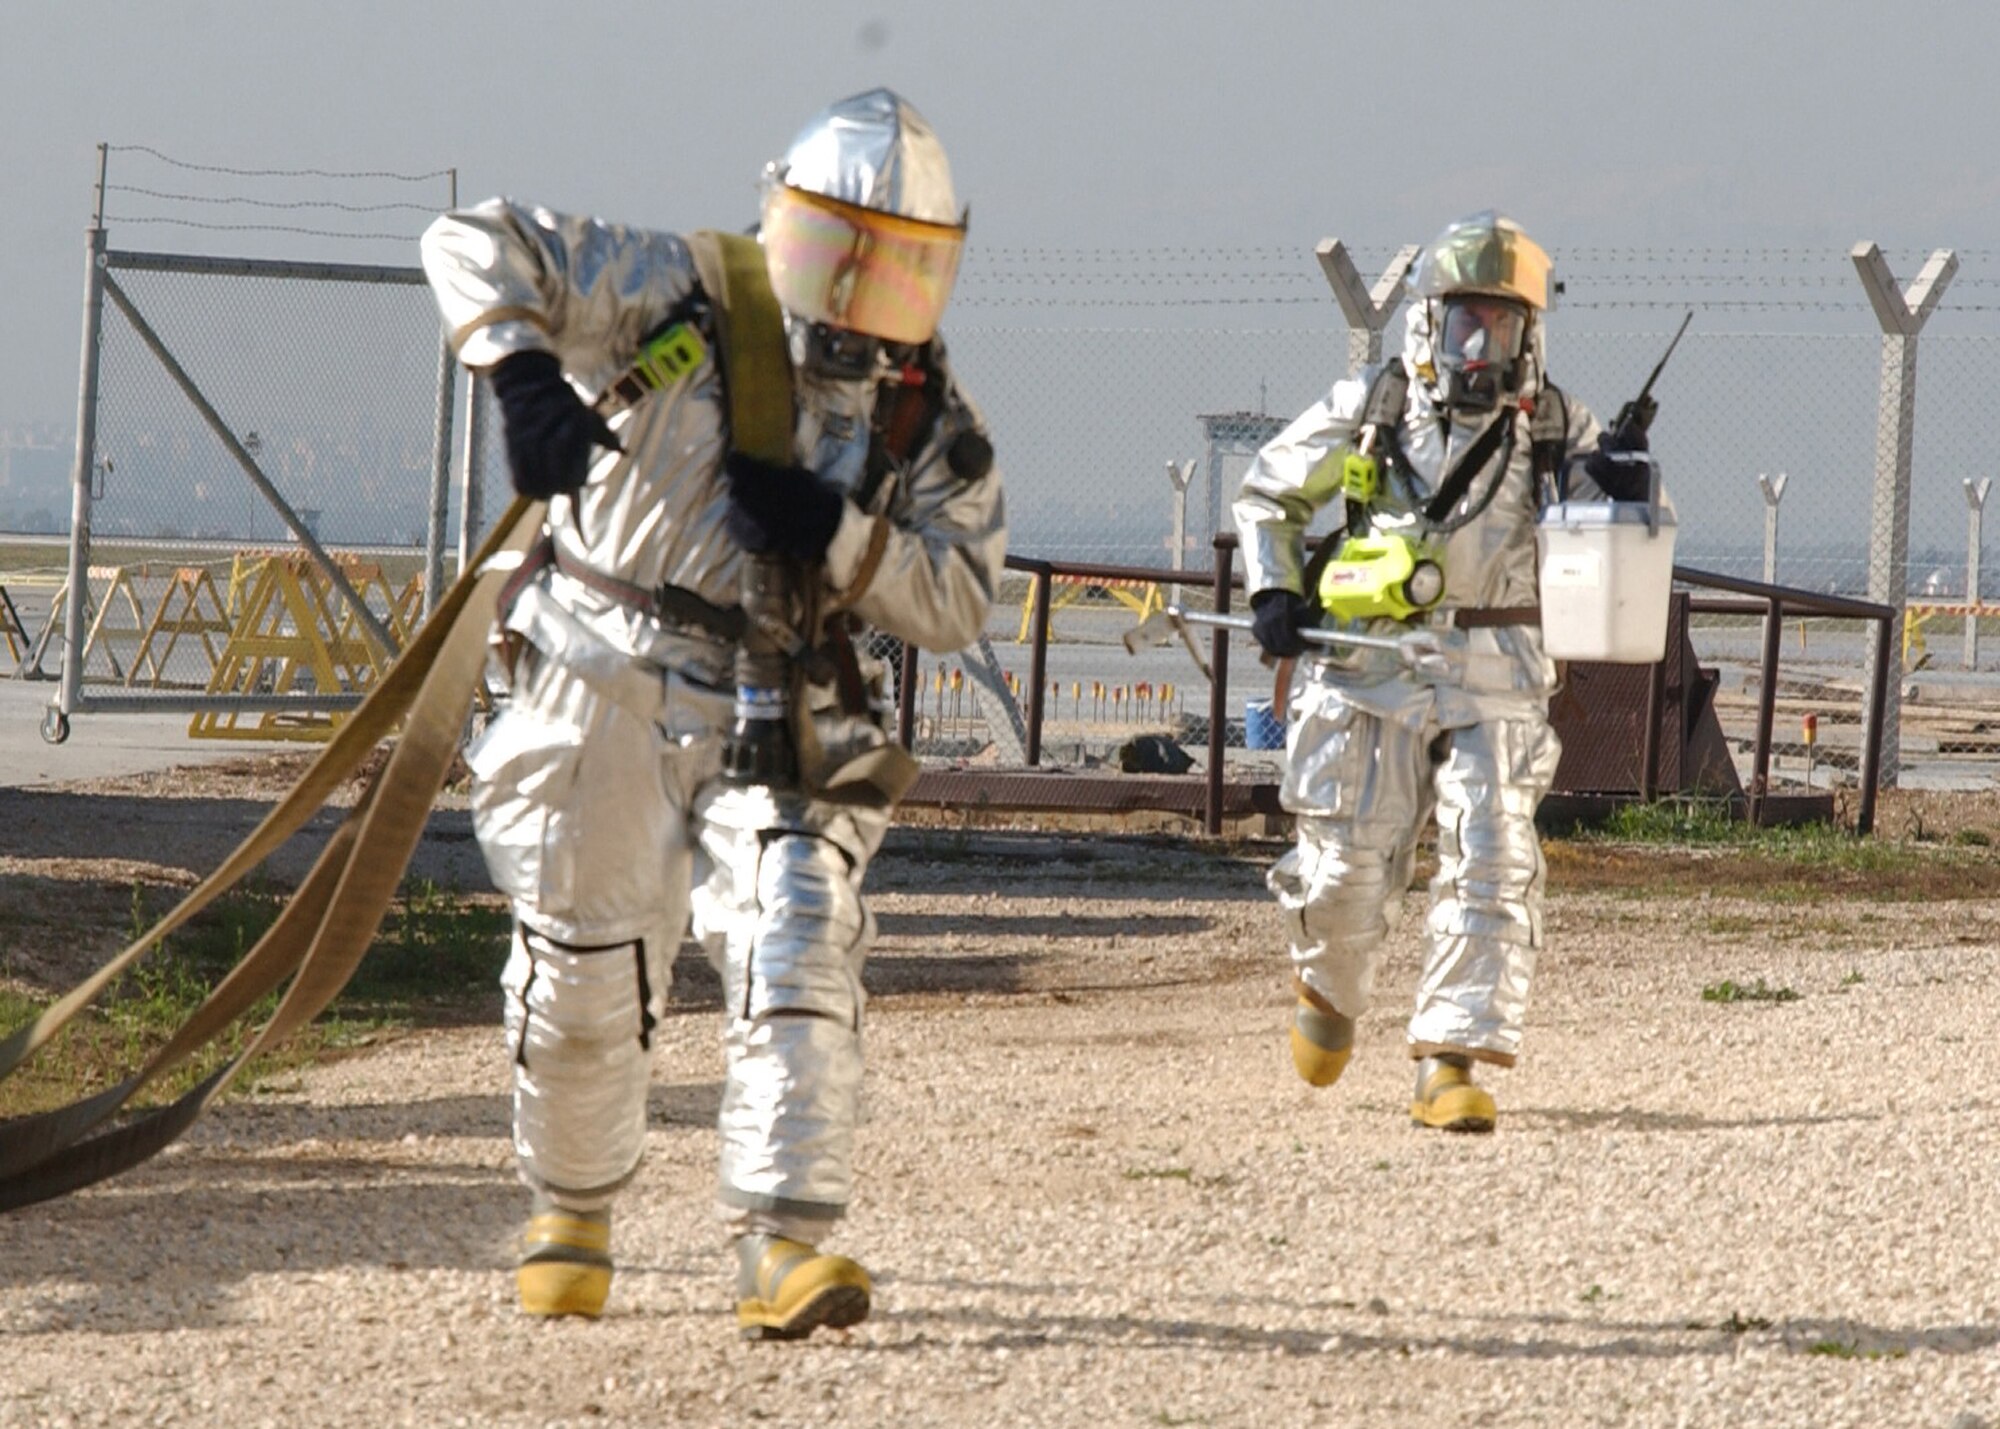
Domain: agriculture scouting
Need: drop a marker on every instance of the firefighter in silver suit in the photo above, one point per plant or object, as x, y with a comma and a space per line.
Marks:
1465, 440
597, 796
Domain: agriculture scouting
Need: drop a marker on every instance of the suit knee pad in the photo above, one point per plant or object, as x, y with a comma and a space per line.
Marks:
580, 1022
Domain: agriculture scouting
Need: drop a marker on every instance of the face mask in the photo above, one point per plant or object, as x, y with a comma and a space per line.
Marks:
1478, 348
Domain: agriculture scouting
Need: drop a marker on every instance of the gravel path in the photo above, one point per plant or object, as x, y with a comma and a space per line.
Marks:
1093, 1193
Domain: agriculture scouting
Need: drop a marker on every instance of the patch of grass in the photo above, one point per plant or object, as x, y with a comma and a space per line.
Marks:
1972, 838
1853, 978
1758, 991
1680, 821
436, 953
1730, 924
1688, 847
1594, 1294
1159, 1173
1740, 1324
1851, 1350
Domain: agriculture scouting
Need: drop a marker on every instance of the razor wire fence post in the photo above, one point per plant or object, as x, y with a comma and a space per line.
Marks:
1975, 501
1181, 475
1774, 492
472, 490
1902, 314
75, 597
1368, 310
440, 502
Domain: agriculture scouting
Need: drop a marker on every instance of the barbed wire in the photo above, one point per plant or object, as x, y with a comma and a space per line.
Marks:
255, 227
274, 203
1042, 253
387, 174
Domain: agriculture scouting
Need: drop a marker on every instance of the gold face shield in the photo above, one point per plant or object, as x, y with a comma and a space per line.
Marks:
858, 268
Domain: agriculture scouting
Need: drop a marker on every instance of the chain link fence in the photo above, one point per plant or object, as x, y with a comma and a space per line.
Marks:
1109, 377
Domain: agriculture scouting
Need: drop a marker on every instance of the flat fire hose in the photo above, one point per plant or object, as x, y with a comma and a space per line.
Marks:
329, 923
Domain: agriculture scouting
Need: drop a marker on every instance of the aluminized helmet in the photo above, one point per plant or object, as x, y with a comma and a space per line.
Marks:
861, 229
1481, 282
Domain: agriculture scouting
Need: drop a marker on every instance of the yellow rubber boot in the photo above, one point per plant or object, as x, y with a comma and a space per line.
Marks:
786, 1290
565, 1266
1446, 1098
1322, 1039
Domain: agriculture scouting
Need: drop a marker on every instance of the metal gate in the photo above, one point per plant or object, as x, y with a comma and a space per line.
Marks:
282, 520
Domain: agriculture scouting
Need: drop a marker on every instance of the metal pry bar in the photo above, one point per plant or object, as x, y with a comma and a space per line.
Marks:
1421, 650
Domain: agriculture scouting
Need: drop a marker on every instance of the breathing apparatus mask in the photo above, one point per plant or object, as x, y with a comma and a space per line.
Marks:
1479, 342
1481, 283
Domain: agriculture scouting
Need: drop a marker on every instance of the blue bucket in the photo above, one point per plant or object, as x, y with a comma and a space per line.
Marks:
1262, 729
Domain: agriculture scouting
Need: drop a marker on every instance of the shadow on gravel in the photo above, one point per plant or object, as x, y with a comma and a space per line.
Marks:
204, 1234
1100, 927
193, 834
1586, 1338
1633, 1119
887, 973
1100, 866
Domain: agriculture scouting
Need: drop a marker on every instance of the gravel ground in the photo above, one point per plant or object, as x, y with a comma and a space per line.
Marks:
1092, 1192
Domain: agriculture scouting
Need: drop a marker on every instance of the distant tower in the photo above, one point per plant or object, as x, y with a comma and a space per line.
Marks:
1233, 438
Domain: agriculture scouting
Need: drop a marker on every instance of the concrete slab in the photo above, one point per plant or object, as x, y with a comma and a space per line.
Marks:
102, 746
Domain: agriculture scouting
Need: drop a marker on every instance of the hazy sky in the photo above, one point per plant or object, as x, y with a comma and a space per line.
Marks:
1080, 124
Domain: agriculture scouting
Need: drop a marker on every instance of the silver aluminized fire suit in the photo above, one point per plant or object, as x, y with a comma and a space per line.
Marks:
1372, 748
595, 800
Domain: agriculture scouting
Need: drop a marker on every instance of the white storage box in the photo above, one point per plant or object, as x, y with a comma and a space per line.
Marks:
1607, 568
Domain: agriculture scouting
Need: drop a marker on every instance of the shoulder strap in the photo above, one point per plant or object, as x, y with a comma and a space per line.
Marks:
1388, 393
750, 329
1548, 440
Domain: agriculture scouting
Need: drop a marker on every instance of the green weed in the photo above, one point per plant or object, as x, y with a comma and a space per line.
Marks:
1758, 991
1851, 1350
1739, 1324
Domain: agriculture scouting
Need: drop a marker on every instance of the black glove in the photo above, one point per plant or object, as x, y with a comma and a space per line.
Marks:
1276, 617
549, 429
1619, 480
782, 510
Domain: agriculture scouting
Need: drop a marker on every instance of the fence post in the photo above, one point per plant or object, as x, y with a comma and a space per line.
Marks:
76, 596
1774, 492
1366, 309
472, 492
440, 508
1038, 657
1182, 477
1902, 314
1224, 547
1975, 500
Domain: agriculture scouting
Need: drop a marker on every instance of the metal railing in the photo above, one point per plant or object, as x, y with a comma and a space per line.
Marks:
1772, 602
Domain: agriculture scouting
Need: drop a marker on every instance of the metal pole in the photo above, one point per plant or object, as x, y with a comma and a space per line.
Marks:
74, 599
1218, 685
906, 698
1901, 314
1182, 476
440, 512
1871, 733
1774, 492
1767, 701
472, 490
1038, 662
1368, 310
1975, 500
1656, 694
